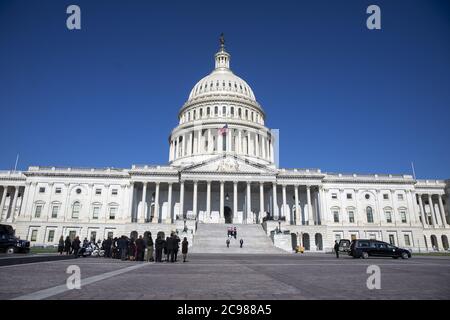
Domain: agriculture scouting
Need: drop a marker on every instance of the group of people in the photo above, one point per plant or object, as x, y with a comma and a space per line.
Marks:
232, 233
140, 249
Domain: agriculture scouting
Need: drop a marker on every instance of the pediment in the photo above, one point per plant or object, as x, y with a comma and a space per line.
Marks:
229, 164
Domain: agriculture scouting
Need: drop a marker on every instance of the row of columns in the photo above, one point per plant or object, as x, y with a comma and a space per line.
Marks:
11, 209
275, 213
249, 143
423, 214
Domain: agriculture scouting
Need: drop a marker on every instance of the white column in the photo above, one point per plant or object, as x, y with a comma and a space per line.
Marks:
66, 203
442, 211
199, 141
194, 206
210, 141
272, 157
177, 148
283, 209
130, 202
297, 207
169, 218
143, 204
240, 142
433, 218
257, 144
2, 203
308, 203
221, 199
208, 200
249, 138
181, 213
23, 205
261, 200
13, 207
235, 199
320, 201
156, 205
422, 211
263, 146
275, 201
249, 202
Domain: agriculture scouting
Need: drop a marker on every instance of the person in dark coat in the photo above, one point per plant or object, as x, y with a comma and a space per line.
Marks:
170, 243
76, 246
241, 242
336, 249
177, 246
166, 248
159, 246
140, 249
108, 247
235, 232
184, 248
61, 245
228, 242
67, 245
150, 248
122, 246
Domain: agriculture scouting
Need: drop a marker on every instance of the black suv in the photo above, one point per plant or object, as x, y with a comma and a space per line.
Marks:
373, 248
9, 243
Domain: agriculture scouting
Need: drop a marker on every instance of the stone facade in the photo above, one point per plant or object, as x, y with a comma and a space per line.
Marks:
222, 170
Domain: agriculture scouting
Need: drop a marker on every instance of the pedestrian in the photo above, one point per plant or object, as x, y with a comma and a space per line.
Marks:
67, 245
61, 245
150, 248
108, 246
241, 242
177, 246
228, 242
159, 246
184, 248
170, 244
228, 232
235, 232
336, 249
76, 246
140, 249
167, 252
131, 250
122, 246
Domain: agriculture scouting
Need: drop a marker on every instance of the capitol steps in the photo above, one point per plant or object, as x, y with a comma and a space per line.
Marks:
211, 238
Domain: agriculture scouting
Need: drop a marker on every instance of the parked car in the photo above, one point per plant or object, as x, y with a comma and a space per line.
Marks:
362, 248
9, 243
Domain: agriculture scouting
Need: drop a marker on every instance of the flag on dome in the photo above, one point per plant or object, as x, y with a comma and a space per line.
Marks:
223, 130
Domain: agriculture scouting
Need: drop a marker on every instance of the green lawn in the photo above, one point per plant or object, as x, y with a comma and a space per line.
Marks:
43, 250
443, 254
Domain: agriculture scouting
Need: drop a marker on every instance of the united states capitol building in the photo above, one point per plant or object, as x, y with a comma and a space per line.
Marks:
222, 170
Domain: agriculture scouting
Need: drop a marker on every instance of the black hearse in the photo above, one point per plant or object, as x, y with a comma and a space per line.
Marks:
9, 243
363, 248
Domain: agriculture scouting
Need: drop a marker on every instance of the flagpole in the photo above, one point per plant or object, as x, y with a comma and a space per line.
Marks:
414, 171
17, 160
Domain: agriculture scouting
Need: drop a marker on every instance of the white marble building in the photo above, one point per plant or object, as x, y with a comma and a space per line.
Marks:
222, 170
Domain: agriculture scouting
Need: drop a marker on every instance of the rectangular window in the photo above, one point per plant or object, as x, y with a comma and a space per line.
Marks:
372, 236
51, 236
58, 190
386, 196
33, 235
349, 196
351, 216
114, 192
98, 191
42, 190
93, 236
336, 216
95, 212
55, 210
407, 240
334, 196
76, 210
37, 213
403, 215
112, 213
400, 197
392, 239
388, 217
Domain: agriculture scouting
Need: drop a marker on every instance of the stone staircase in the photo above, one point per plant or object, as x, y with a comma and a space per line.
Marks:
211, 238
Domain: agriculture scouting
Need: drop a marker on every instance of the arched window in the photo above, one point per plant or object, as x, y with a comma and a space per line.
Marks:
369, 214
224, 111
76, 210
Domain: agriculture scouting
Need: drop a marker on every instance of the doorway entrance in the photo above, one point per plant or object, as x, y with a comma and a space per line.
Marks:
228, 214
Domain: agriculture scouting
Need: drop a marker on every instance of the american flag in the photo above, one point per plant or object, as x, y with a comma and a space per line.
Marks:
223, 130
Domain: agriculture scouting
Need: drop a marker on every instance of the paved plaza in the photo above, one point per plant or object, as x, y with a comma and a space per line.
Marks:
210, 276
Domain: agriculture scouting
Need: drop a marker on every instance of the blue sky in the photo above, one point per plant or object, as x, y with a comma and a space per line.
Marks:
346, 99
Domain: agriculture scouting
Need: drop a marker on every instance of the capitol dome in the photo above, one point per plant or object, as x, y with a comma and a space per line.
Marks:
221, 116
